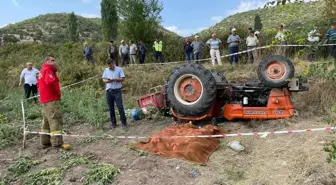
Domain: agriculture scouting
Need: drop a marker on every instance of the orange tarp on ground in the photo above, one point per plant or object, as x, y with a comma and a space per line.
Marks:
191, 149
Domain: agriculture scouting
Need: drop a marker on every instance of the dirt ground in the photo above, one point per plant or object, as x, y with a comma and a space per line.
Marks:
273, 160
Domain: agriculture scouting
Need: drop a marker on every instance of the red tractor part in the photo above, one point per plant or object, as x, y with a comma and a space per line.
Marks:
155, 98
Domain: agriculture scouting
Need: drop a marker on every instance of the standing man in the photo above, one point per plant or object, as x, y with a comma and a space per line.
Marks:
124, 52
142, 52
133, 51
112, 52
88, 53
331, 39
113, 77
214, 44
198, 47
50, 96
251, 43
281, 35
233, 41
158, 50
314, 39
29, 75
188, 50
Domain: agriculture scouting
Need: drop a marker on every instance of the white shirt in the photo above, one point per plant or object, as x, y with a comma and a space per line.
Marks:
311, 38
281, 35
29, 76
133, 49
252, 41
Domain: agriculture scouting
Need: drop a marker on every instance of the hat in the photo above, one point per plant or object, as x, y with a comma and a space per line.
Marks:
234, 29
122, 41
196, 36
214, 34
29, 63
256, 32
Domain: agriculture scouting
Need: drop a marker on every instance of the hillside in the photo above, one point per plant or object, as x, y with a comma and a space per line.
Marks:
52, 28
292, 15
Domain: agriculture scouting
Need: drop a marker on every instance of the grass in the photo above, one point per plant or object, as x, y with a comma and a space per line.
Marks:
48, 176
100, 174
22, 166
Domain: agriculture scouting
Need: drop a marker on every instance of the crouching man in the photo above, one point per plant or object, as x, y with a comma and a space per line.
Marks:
113, 77
50, 96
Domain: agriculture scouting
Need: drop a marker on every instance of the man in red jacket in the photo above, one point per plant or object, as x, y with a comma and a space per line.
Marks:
50, 96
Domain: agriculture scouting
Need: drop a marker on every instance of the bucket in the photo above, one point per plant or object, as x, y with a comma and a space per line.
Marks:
137, 114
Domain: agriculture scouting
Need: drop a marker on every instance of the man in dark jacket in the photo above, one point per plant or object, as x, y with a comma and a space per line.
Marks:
142, 52
88, 53
188, 50
112, 52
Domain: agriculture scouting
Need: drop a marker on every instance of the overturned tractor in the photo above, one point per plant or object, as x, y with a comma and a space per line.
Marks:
194, 93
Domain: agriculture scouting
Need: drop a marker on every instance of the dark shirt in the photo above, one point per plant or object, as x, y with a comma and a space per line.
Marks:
142, 49
187, 47
88, 51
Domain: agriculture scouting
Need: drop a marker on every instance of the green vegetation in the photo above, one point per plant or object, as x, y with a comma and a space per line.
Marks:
141, 19
257, 23
109, 19
72, 27
49, 176
100, 174
22, 166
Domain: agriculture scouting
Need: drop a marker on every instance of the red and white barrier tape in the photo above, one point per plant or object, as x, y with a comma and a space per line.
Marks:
192, 136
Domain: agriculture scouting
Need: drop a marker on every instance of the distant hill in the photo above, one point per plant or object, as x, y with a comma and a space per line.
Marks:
53, 28
292, 15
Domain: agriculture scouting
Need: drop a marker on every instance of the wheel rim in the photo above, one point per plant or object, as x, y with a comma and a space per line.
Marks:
276, 70
188, 89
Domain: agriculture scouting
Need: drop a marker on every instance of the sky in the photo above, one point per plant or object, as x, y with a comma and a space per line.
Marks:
183, 17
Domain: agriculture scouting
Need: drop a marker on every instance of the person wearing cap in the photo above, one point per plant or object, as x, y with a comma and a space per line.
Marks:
158, 50
133, 52
112, 52
188, 50
113, 77
233, 41
331, 39
29, 75
50, 96
124, 53
214, 44
88, 53
314, 39
251, 43
197, 47
142, 52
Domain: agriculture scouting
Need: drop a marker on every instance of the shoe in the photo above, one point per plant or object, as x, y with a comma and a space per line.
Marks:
124, 126
113, 126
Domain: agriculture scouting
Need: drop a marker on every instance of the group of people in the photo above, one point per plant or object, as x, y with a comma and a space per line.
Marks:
47, 83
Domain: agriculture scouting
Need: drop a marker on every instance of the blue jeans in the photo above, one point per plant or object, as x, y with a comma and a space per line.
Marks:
114, 95
189, 56
198, 56
157, 55
234, 49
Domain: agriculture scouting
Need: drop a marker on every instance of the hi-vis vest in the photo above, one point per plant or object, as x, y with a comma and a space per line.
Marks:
157, 46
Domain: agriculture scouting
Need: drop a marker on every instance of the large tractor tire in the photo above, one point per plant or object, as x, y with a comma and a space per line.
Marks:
191, 89
219, 77
275, 71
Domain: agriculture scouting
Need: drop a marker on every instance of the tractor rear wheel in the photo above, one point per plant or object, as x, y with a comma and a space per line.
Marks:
219, 77
275, 71
191, 89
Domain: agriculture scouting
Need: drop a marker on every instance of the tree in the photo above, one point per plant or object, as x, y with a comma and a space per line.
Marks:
257, 23
109, 18
72, 27
141, 19
329, 9
9, 38
38, 34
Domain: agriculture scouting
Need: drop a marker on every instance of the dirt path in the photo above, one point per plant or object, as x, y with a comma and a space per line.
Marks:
279, 159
